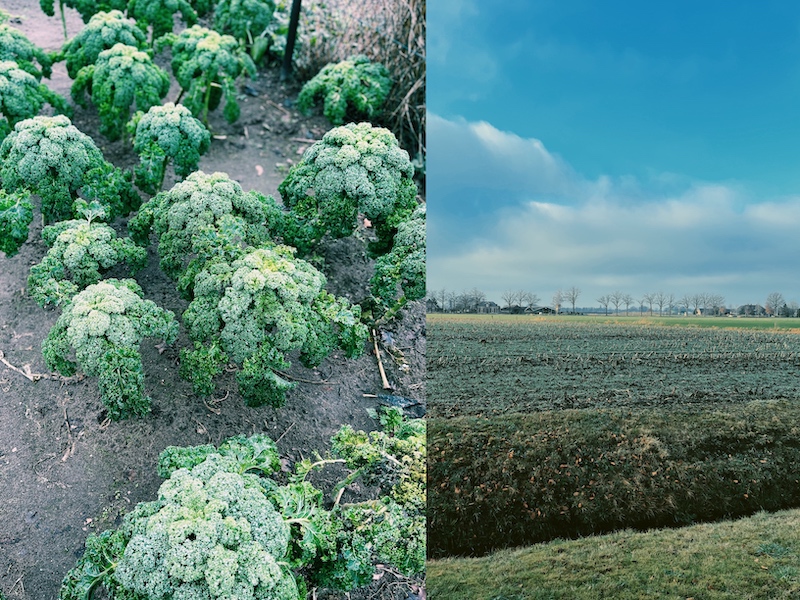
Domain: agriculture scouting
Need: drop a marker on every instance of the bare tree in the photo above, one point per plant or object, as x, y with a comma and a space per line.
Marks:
510, 298
604, 301
529, 298
572, 296
558, 298
648, 299
686, 302
775, 302
660, 299
717, 302
617, 298
627, 300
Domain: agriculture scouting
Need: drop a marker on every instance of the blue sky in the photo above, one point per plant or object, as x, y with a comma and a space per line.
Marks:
620, 145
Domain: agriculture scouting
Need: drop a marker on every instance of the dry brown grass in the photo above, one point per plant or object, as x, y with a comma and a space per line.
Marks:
391, 32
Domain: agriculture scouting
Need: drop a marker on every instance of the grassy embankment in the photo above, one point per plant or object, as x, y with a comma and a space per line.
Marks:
756, 557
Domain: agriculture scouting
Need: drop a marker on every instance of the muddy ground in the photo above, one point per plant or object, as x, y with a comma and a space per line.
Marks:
65, 471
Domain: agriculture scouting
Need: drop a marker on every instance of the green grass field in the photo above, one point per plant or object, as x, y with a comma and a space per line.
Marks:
756, 558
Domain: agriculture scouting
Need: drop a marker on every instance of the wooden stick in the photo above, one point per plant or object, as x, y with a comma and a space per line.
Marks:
25, 371
385, 381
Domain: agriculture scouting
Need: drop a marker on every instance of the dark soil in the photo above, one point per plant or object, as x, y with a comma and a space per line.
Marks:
65, 471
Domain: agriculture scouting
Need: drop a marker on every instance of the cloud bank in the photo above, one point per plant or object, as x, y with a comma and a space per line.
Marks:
505, 213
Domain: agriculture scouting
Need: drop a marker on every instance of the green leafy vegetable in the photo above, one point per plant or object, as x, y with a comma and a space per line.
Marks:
356, 84
15, 46
121, 77
167, 134
80, 252
259, 308
222, 528
86, 8
201, 218
22, 96
49, 157
356, 169
206, 65
404, 266
245, 20
16, 215
213, 534
160, 14
112, 189
103, 31
104, 325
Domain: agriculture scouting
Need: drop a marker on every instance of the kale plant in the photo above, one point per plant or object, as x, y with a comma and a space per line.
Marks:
355, 84
404, 266
257, 309
356, 169
103, 31
167, 134
223, 527
22, 96
16, 215
86, 8
80, 252
160, 15
202, 218
245, 20
206, 65
103, 326
112, 189
390, 529
49, 157
121, 77
15, 46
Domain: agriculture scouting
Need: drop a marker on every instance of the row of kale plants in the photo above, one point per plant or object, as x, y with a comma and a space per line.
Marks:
237, 257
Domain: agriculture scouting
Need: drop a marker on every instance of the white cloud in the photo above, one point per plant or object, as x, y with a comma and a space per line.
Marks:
465, 153
598, 235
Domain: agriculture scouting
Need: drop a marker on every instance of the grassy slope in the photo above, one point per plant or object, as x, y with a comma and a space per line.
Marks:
755, 558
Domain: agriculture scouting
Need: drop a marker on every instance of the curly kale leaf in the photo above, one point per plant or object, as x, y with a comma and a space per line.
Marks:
22, 96
167, 134
356, 84
392, 529
104, 325
370, 533
354, 170
96, 567
204, 217
16, 215
81, 251
49, 157
112, 189
122, 77
404, 266
103, 31
160, 14
255, 453
263, 306
243, 19
18, 48
213, 534
206, 65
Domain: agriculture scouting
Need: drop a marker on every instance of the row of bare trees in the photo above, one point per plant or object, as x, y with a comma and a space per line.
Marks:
660, 302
